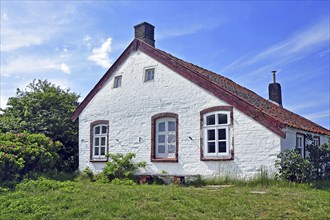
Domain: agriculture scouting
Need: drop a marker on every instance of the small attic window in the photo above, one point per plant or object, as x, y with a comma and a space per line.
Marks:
117, 82
149, 74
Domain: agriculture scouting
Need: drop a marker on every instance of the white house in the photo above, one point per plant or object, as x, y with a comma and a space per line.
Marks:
183, 119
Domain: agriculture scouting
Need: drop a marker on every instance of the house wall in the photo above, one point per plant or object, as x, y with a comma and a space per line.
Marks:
129, 110
289, 143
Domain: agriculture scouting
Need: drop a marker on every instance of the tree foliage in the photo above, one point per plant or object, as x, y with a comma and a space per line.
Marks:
316, 165
26, 154
45, 108
293, 167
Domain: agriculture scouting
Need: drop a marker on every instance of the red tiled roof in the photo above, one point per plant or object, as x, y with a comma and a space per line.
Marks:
283, 115
265, 112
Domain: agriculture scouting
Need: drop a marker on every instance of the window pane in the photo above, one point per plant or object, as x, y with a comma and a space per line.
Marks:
117, 82
171, 138
210, 135
171, 126
149, 74
211, 147
104, 129
222, 134
161, 138
222, 147
161, 127
96, 151
222, 118
171, 148
97, 142
103, 151
102, 141
210, 120
161, 149
97, 130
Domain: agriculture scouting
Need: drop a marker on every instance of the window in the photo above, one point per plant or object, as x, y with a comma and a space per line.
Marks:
216, 124
300, 144
117, 82
164, 138
99, 140
149, 74
316, 141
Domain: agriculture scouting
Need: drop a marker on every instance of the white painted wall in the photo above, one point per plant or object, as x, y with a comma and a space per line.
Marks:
129, 110
289, 143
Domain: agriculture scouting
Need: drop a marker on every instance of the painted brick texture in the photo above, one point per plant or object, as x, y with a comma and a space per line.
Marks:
129, 110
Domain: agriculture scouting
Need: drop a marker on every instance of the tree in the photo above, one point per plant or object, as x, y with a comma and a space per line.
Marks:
45, 108
319, 156
315, 166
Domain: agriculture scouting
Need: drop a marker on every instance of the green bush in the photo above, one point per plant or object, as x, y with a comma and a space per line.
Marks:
86, 174
319, 157
314, 167
127, 182
293, 167
25, 154
121, 167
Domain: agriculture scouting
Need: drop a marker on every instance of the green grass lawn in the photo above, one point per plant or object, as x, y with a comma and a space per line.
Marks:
49, 199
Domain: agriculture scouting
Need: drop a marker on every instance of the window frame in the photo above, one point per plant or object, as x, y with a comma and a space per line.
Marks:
92, 135
316, 139
217, 156
154, 136
116, 80
145, 74
303, 148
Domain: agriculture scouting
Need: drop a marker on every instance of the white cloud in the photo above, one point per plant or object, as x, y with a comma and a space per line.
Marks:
4, 14
3, 102
318, 115
297, 47
307, 105
13, 39
185, 30
101, 55
87, 41
65, 68
33, 65
26, 25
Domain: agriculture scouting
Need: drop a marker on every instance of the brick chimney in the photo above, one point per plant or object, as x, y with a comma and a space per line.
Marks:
274, 90
145, 32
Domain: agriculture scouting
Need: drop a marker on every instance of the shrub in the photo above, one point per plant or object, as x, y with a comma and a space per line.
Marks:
319, 157
121, 166
127, 182
293, 167
25, 154
86, 174
315, 166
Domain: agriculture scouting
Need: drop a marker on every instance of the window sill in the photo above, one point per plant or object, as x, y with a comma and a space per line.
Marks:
98, 160
216, 158
168, 160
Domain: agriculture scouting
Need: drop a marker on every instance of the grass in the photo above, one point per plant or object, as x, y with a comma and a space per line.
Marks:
49, 199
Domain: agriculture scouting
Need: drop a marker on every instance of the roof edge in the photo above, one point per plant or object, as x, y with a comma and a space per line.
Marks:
268, 121
133, 46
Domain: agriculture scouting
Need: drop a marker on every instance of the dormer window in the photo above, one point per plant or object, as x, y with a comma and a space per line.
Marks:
117, 82
149, 74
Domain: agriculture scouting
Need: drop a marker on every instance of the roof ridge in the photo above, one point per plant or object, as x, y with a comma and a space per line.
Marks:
247, 92
265, 112
225, 78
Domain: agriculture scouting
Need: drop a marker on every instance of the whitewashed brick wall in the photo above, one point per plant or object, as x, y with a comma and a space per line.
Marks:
129, 110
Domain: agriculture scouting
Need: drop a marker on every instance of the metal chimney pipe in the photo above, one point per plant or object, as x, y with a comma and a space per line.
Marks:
274, 90
274, 76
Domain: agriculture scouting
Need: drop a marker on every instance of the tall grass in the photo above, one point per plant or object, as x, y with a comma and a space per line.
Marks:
263, 178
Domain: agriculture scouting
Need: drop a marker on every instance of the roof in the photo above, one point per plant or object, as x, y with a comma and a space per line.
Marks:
272, 116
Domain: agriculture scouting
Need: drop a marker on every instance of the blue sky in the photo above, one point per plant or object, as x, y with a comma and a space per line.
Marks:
73, 43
